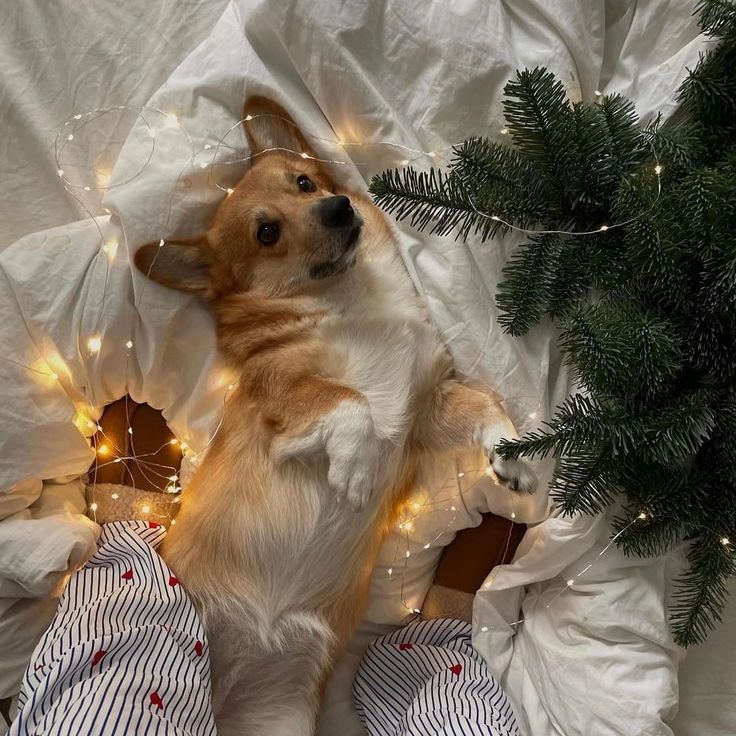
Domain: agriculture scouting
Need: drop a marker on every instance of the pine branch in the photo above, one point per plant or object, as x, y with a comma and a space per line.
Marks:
523, 293
654, 535
501, 181
701, 591
585, 483
619, 350
540, 123
717, 17
431, 199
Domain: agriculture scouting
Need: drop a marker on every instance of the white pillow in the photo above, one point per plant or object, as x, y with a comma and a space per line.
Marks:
596, 656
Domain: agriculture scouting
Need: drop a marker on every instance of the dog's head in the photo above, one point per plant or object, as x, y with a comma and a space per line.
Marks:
285, 226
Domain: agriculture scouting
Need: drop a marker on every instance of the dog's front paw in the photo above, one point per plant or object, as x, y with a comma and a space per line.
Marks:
347, 436
353, 471
514, 474
352, 449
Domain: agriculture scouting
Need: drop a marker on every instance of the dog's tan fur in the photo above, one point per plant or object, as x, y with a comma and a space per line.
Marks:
343, 388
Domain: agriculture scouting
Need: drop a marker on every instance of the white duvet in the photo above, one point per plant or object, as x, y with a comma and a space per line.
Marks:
600, 659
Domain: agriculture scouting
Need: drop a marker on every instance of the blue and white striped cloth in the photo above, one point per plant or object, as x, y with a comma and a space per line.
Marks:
427, 680
125, 654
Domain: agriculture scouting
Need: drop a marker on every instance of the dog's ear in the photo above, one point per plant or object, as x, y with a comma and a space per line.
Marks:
179, 264
267, 125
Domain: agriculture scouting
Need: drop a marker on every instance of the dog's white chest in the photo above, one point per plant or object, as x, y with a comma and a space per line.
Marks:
386, 348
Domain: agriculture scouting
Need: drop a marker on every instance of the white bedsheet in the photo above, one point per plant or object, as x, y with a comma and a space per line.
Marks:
423, 74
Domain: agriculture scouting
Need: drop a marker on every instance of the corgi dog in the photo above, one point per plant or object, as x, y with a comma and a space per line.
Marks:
343, 386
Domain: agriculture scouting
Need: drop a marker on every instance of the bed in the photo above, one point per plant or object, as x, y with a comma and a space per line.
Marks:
597, 658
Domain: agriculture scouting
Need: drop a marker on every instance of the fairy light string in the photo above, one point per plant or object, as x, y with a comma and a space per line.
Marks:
165, 477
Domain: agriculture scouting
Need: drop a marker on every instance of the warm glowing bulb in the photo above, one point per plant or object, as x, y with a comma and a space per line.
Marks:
570, 582
597, 93
174, 441
603, 228
405, 162
658, 169
484, 629
504, 131
129, 344
204, 165
431, 154
93, 507
171, 120
103, 450
532, 415
173, 521
453, 508
114, 496
461, 475
513, 514
230, 191
161, 243
408, 554
87, 189
415, 610
390, 571
725, 541
427, 546
55, 376
248, 117
70, 137
60, 172
642, 515
174, 478
306, 155
495, 217
130, 431
111, 248
94, 344
207, 146
145, 508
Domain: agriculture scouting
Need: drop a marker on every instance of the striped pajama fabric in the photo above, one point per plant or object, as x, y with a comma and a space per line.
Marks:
125, 654
427, 680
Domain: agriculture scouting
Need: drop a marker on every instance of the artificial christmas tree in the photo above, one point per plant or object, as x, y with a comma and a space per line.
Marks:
632, 250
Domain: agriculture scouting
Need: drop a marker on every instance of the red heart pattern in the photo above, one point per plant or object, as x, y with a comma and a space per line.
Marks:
153, 525
173, 581
456, 669
156, 700
405, 645
98, 656
198, 648
127, 575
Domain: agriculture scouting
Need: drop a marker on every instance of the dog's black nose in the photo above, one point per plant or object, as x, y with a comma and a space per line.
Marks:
336, 212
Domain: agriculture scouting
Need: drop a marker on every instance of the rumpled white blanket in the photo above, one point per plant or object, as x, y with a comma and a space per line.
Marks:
423, 74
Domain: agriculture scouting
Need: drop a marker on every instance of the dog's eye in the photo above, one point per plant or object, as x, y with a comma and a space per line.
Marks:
306, 184
269, 233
